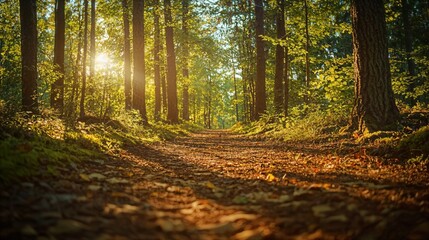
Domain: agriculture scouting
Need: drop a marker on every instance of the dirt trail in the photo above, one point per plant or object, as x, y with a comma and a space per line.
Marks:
218, 185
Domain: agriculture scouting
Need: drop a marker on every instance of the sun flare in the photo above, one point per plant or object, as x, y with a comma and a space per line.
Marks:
102, 59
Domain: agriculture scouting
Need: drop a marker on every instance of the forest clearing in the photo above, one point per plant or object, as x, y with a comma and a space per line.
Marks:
214, 119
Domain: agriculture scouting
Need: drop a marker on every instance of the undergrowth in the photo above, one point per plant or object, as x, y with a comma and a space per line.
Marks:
38, 145
411, 144
298, 126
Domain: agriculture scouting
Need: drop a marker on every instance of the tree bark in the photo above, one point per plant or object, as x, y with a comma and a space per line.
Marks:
85, 53
157, 71
260, 95
374, 108
280, 58
307, 59
92, 51
74, 98
57, 88
139, 81
408, 37
127, 56
185, 70
28, 15
172, 114
286, 83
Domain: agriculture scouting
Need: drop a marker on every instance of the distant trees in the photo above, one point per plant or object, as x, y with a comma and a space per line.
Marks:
374, 107
28, 15
257, 67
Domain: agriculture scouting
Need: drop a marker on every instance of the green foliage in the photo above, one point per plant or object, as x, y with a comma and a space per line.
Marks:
41, 144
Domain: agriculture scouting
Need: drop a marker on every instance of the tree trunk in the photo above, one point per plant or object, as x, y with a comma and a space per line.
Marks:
260, 95
408, 37
286, 74
85, 53
92, 51
74, 94
279, 73
408, 41
307, 60
139, 82
157, 73
127, 56
374, 108
28, 15
185, 70
286, 83
57, 88
172, 114
237, 118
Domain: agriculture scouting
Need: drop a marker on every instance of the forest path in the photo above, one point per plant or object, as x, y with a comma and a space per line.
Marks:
219, 185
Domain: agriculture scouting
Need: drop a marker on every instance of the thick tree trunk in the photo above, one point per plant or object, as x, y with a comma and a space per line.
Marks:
260, 95
28, 15
127, 56
172, 114
85, 53
279, 73
57, 88
374, 108
139, 81
157, 73
185, 70
307, 59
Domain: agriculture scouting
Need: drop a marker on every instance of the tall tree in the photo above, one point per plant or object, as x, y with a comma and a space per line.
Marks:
260, 97
280, 57
85, 53
286, 83
75, 85
139, 82
307, 59
157, 70
127, 55
172, 112
28, 15
185, 55
92, 51
374, 107
408, 36
57, 88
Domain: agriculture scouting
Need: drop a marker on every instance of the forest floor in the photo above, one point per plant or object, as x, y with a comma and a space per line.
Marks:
221, 185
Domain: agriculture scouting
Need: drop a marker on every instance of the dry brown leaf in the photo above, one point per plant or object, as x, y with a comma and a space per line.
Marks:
96, 176
236, 216
253, 234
